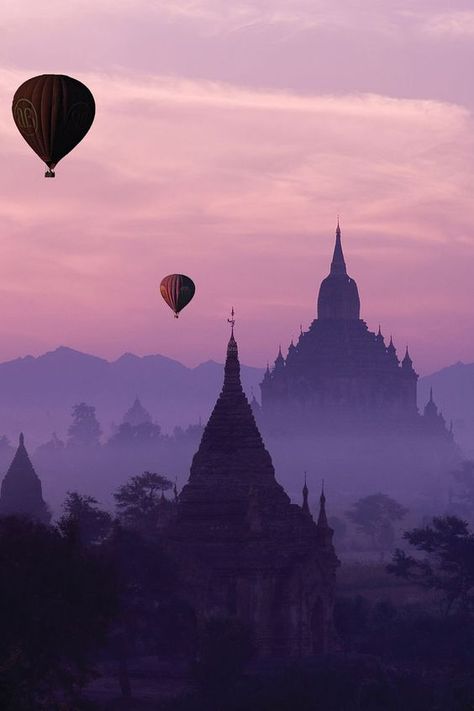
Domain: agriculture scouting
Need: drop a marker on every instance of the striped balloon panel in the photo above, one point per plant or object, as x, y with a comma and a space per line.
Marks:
177, 290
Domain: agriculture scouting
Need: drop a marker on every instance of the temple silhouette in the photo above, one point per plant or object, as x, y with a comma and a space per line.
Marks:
244, 550
342, 378
21, 491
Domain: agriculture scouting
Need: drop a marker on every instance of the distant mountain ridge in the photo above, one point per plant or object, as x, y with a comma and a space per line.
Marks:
37, 393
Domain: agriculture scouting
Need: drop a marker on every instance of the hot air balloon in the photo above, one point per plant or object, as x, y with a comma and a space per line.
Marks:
177, 290
53, 114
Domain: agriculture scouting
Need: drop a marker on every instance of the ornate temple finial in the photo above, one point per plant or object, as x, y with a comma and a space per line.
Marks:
231, 320
22, 439
232, 365
301, 329
431, 394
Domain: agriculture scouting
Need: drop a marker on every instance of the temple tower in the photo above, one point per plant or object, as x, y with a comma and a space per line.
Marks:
244, 549
21, 492
339, 377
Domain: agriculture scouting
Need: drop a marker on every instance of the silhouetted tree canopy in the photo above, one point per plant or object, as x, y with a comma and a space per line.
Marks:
53, 446
374, 516
448, 563
140, 502
464, 478
143, 433
226, 647
146, 582
85, 429
56, 602
82, 517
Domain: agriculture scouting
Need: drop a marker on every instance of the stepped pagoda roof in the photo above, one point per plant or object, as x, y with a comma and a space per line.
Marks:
21, 491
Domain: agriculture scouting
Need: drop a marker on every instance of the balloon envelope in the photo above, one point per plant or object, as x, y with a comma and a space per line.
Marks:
53, 113
177, 290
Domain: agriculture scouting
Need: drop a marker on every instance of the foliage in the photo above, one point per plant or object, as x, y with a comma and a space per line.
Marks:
226, 647
85, 429
374, 516
83, 518
339, 527
349, 682
54, 445
464, 477
140, 502
144, 433
146, 580
448, 565
56, 602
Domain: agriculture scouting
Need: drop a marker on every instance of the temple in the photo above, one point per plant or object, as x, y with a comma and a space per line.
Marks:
342, 378
21, 491
244, 550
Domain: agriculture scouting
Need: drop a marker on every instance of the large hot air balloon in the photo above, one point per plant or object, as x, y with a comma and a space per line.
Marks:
53, 114
177, 290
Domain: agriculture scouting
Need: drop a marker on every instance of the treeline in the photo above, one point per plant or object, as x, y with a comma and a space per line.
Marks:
97, 591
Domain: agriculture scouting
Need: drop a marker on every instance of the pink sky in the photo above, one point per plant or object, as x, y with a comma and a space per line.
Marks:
227, 138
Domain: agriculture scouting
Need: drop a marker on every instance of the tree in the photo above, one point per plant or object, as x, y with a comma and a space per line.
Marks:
85, 430
141, 503
464, 477
448, 564
146, 583
56, 602
144, 433
340, 530
53, 446
374, 516
226, 647
83, 518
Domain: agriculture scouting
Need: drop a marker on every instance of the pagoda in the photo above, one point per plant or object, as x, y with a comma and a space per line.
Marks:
21, 491
340, 377
244, 550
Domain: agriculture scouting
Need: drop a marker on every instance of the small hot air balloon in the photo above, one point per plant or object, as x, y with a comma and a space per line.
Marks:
177, 290
53, 114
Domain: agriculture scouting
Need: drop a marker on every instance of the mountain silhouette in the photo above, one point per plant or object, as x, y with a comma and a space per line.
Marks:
37, 393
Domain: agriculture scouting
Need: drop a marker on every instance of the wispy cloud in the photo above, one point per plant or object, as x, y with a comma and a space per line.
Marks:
450, 24
239, 188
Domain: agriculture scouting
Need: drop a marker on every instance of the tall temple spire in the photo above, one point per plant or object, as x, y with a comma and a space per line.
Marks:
232, 365
322, 518
305, 506
338, 297
21, 491
231, 437
338, 265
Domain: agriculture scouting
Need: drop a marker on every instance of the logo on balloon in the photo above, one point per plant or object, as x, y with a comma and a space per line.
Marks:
80, 116
25, 117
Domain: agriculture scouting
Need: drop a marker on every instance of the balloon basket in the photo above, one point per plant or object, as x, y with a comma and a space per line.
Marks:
50, 174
